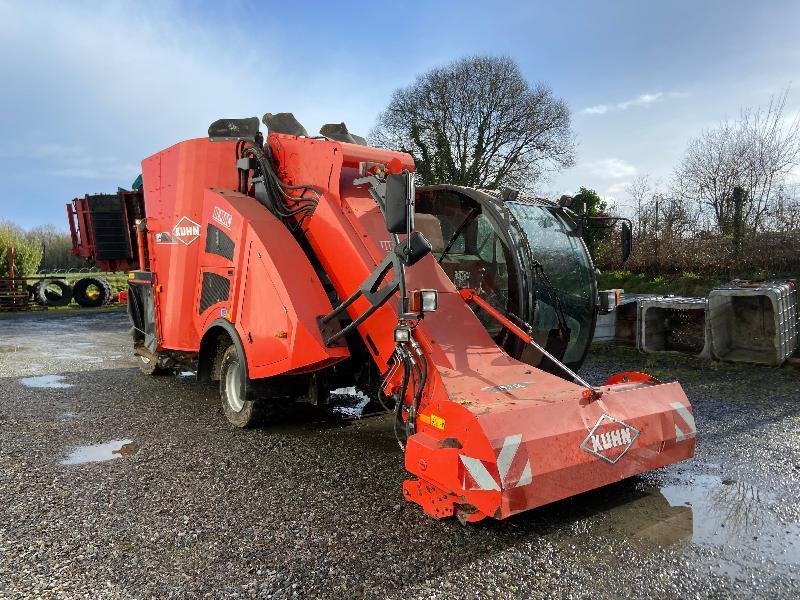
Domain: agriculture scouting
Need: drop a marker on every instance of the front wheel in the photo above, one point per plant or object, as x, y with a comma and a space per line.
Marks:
239, 411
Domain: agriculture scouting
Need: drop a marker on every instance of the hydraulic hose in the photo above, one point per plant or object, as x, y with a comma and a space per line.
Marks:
398, 416
411, 423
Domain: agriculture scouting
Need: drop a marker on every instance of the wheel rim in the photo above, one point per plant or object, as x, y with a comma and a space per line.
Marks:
233, 387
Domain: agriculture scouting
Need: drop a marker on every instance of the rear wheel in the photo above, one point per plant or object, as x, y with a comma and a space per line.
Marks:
239, 411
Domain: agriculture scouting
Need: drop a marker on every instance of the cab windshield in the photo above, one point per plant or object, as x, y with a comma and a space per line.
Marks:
565, 278
524, 258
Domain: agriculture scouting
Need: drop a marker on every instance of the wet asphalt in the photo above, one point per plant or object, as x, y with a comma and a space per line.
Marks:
116, 485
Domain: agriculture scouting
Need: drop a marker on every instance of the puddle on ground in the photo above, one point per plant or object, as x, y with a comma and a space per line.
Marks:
101, 452
349, 402
186, 374
708, 511
45, 381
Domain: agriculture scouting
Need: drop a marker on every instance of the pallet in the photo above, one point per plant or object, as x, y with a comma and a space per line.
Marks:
14, 294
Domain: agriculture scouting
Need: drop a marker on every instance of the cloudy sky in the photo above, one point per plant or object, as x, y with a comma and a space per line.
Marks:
88, 90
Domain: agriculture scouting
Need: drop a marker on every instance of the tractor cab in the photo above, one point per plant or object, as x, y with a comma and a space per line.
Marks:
525, 257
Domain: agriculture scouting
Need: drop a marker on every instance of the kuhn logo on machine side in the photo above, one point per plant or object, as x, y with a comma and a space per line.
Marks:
223, 218
610, 439
186, 231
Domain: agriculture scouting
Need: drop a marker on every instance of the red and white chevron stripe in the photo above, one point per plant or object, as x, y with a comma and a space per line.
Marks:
684, 422
511, 469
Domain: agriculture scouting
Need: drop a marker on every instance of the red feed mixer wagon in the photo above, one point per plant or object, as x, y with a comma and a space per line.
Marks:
284, 269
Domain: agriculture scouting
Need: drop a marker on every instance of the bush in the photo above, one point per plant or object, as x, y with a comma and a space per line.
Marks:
28, 250
761, 255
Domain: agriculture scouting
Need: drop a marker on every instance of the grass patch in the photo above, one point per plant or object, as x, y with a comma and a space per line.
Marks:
683, 284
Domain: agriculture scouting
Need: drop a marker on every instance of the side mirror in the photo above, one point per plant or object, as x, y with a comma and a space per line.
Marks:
413, 249
398, 210
626, 240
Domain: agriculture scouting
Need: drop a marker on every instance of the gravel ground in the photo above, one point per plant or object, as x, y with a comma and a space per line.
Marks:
189, 507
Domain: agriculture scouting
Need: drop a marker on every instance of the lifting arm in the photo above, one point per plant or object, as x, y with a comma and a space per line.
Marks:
471, 297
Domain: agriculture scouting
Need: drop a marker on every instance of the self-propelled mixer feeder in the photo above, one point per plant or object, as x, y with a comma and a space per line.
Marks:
289, 266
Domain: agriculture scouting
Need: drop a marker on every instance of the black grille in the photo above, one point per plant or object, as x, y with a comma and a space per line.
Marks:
111, 236
217, 242
215, 289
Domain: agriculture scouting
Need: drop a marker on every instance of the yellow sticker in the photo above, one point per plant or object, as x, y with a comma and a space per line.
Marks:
437, 421
131, 275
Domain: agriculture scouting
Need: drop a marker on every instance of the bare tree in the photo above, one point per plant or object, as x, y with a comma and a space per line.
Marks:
477, 122
658, 214
785, 213
640, 191
755, 154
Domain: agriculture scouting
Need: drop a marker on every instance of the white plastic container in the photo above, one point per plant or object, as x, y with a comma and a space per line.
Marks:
606, 327
754, 322
674, 324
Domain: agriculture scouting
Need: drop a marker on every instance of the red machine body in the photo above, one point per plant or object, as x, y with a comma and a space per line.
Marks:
493, 436
215, 254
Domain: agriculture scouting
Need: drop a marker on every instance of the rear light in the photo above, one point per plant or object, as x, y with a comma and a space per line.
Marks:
422, 301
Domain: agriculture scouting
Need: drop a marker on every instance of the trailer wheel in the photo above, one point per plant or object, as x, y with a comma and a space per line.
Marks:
53, 292
91, 292
239, 411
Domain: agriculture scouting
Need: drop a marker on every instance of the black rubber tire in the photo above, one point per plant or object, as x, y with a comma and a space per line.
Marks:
47, 297
81, 287
240, 412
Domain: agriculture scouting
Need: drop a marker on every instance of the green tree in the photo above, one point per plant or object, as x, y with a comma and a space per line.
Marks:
28, 249
56, 249
591, 204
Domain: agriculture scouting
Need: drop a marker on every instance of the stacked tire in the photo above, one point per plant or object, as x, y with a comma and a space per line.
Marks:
91, 292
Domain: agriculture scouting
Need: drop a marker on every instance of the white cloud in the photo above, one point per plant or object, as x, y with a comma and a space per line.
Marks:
88, 105
599, 109
611, 168
640, 100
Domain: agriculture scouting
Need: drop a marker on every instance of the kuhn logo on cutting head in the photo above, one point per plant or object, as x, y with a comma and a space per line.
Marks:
222, 217
610, 439
186, 231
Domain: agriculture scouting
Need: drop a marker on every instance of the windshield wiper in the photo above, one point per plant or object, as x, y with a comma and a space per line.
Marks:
561, 334
467, 220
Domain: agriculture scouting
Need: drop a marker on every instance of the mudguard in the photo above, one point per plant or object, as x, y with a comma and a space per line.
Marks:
254, 274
